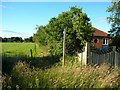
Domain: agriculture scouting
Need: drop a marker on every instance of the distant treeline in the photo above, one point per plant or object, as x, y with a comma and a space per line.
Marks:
16, 39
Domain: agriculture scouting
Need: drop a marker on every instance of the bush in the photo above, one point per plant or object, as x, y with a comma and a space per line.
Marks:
78, 31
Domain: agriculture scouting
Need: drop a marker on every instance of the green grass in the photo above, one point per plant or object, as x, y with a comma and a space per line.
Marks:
14, 52
42, 70
13, 49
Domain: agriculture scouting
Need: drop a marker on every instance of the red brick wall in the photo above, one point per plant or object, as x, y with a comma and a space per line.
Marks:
98, 44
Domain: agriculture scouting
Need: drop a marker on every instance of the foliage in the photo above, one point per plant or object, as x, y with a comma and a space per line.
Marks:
63, 77
115, 41
78, 31
16, 39
12, 39
30, 39
40, 36
114, 18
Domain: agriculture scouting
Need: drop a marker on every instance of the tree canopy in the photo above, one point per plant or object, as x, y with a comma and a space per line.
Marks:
114, 18
40, 36
12, 39
30, 39
78, 30
16, 39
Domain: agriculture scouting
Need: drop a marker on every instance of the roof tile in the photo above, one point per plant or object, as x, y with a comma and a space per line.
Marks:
99, 33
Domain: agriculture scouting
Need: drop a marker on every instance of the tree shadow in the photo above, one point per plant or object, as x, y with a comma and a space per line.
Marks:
8, 62
43, 62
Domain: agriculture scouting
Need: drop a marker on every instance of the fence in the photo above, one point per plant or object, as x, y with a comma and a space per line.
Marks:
94, 56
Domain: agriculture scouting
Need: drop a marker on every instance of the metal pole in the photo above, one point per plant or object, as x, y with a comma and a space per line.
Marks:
64, 36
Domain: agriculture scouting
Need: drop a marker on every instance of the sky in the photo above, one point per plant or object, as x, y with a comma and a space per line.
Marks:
20, 18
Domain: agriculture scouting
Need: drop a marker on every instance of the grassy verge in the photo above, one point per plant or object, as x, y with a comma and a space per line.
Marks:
23, 76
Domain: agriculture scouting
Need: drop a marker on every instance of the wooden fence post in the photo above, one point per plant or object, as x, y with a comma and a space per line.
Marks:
85, 54
64, 37
31, 53
89, 54
115, 56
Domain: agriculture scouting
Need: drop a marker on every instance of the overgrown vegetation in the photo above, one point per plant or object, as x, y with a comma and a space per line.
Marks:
78, 31
23, 76
29, 65
47, 72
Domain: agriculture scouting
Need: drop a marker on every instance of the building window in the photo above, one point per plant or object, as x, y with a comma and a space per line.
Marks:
95, 40
105, 41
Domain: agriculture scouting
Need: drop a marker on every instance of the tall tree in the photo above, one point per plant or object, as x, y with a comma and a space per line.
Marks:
40, 36
30, 39
78, 30
114, 18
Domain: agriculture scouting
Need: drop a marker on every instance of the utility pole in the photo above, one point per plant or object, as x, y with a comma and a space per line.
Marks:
64, 36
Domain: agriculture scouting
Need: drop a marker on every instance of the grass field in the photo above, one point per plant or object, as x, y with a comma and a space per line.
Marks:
13, 49
14, 52
20, 70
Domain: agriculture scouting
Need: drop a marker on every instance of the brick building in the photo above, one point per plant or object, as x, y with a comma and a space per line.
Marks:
100, 38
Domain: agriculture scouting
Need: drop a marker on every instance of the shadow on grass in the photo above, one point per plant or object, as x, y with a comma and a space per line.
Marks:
45, 62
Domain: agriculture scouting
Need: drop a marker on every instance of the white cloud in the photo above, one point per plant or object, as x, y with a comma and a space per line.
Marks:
102, 20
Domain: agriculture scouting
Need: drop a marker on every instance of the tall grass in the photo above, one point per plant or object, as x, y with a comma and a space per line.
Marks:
42, 71
63, 77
